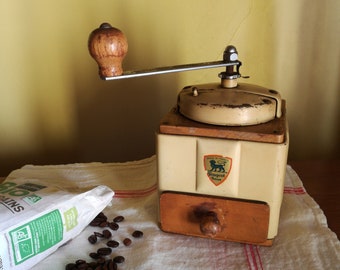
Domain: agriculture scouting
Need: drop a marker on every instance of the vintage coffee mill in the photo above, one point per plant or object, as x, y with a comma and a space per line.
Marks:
221, 151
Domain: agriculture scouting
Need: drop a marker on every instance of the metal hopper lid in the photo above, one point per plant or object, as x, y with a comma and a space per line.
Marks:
243, 105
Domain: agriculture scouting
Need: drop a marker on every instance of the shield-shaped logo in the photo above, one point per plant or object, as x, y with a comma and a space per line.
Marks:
217, 167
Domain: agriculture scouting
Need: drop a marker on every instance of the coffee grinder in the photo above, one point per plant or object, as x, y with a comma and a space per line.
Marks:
221, 151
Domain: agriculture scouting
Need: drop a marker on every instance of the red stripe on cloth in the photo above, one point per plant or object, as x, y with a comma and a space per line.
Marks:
294, 190
253, 257
135, 193
258, 255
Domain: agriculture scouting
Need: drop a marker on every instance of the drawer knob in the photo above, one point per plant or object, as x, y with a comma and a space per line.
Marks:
209, 224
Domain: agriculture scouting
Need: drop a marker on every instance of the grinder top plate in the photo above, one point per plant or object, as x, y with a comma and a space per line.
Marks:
274, 131
243, 105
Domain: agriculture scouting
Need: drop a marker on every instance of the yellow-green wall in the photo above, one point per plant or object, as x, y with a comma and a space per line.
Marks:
55, 109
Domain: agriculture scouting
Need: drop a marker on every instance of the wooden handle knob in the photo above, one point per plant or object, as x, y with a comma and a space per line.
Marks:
108, 46
209, 224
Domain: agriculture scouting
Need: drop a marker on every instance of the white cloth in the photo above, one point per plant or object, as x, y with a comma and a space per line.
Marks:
304, 241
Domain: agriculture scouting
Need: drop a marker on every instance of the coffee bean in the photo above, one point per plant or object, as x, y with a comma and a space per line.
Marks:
112, 244
118, 219
92, 239
114, 266
70, 266
107, 234
119, 259
104, 251
82, 266
103, 224
110, 265
137, 234
127, 241
92, 265
98, 234
113, 226
100, 218
94, 255
101, 260
96, 222
102, 215
80, 261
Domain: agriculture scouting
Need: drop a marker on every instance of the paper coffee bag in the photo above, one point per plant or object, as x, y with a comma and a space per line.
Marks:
37, 217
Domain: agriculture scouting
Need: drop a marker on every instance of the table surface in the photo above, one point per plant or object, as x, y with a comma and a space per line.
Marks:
321, 180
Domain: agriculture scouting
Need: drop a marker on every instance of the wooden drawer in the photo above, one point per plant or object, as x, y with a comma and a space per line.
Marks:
215, 217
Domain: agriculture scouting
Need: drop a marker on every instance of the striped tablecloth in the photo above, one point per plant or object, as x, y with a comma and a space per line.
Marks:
304, 240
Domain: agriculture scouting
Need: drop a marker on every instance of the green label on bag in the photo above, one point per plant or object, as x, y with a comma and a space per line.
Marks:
36, 236
32, 199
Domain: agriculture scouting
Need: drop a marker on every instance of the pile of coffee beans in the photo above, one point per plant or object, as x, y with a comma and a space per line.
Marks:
103, 258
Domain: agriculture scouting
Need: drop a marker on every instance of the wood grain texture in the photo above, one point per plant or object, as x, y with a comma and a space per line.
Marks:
240, 220
108, 46
271, 132
321, 179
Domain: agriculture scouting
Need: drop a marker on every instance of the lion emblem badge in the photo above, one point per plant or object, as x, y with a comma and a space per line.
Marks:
217, 168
